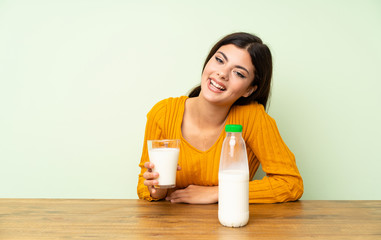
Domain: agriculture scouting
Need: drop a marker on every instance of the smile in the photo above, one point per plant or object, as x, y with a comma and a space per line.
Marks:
216, 85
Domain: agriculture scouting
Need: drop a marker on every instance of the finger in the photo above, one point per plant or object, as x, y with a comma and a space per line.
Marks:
170, 195
151, 182
177, 200
149, 165
176, 195
150, 175
152, 189
180, 200
178, 168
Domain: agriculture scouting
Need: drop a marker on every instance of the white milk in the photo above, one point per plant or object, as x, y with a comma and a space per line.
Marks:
165, 161
233, 198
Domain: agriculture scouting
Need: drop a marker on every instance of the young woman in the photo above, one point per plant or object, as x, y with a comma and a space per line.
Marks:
234, 89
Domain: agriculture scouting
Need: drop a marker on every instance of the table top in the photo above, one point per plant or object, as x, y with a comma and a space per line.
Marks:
139, 219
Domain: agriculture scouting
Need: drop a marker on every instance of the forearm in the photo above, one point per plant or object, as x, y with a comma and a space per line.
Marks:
276, 189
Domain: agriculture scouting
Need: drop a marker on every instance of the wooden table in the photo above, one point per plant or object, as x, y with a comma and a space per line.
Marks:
138, 219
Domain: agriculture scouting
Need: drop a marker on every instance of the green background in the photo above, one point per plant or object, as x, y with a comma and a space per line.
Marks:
78, 77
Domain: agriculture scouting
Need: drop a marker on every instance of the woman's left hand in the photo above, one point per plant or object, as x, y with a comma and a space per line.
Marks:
194, 194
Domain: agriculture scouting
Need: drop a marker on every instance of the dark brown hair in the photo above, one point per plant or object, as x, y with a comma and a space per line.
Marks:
260, 57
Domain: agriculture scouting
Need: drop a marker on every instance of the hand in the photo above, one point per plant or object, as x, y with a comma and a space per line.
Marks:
151, 181
194, 194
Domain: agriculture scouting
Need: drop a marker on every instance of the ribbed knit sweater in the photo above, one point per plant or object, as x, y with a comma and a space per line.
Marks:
264, 145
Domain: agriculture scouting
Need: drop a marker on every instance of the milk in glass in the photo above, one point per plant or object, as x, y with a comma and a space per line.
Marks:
165, 161
164, 154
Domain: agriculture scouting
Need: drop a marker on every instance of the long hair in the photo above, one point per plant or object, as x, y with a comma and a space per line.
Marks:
261, 59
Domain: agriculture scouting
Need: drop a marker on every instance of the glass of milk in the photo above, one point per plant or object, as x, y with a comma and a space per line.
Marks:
164, 154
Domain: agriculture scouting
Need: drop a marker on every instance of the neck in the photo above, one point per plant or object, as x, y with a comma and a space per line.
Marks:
208, 114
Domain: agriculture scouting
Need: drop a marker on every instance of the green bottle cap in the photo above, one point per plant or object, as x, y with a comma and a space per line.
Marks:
233, 128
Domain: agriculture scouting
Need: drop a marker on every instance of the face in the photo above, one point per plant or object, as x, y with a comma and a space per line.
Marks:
227, 76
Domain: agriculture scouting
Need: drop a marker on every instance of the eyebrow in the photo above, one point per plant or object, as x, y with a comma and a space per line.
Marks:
237, 66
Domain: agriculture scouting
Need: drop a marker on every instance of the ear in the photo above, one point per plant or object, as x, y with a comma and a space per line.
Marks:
250, 90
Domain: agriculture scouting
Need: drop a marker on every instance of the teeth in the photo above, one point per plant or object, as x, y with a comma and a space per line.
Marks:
217, 85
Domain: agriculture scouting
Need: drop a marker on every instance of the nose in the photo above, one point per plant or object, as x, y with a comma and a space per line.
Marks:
222, 75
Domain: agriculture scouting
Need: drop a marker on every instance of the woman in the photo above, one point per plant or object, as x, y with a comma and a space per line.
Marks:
235, 87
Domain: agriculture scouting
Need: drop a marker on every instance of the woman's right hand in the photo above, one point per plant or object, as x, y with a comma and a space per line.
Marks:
151, 181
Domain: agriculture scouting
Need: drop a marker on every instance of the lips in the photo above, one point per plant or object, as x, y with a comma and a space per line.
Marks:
216, 86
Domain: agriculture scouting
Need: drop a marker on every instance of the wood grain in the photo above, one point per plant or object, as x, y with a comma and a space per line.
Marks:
138, 219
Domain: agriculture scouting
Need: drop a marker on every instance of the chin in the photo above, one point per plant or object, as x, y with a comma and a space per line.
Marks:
215, 100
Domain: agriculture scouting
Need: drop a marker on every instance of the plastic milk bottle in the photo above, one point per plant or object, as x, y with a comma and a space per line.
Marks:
233, 180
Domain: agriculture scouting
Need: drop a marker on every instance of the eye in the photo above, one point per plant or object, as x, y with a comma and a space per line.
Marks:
240, 74
219, 60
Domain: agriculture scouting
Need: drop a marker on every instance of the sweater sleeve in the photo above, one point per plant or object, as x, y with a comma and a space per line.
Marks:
153, 130
282, 182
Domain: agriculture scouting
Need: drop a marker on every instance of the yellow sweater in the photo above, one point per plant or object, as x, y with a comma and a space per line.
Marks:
264, 146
